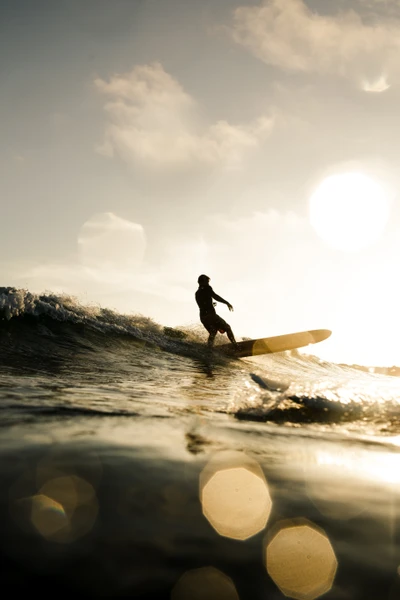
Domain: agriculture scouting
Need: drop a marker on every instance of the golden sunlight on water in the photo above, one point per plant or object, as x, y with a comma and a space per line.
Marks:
380, 466
341, 485
301, 561
234, 495
206, 583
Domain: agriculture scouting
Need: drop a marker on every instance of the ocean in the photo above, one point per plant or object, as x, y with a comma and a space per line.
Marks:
135, 463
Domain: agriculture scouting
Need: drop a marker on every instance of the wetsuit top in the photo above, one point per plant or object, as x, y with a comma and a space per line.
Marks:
204, 298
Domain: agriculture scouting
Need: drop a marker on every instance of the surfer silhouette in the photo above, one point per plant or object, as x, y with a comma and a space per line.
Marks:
208, 317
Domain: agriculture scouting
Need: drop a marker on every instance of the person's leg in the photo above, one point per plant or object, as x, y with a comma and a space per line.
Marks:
230, 335
210, 322
223, 327
211, 337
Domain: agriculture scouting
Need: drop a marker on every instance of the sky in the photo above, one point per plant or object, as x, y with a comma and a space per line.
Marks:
145, 142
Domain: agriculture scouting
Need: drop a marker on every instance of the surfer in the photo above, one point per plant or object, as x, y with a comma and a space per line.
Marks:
209, 318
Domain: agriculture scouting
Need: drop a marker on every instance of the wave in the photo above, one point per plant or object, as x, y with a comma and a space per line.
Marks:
307, 390
50, 332
24, 306
48, 328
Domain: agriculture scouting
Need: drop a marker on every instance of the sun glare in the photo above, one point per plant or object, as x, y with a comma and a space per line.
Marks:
349, 211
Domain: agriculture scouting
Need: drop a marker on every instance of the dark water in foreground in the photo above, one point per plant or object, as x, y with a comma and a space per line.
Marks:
133, 464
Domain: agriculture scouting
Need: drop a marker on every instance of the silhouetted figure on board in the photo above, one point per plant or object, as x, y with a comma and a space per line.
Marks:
209, 318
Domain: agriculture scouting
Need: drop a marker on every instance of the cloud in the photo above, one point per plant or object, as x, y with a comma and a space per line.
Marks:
111, 252
378, 85
387, 5
153, 120
289, 35
110, 262
236, 253
249, 247
109, 242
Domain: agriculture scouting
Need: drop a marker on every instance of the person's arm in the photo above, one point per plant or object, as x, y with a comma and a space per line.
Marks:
219, 299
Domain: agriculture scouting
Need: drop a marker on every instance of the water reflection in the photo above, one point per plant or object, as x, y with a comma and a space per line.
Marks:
342, 484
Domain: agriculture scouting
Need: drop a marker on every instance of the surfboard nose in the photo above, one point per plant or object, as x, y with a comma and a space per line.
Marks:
319, 335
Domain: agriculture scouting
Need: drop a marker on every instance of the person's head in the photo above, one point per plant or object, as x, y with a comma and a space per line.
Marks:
203, 280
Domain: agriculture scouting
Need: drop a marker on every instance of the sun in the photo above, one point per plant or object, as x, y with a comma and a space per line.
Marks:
349, 211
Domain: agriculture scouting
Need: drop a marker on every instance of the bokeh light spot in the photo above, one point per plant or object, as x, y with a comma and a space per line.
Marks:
63, 510
206, 583
79, 503
236, 502
301, 561
47, 515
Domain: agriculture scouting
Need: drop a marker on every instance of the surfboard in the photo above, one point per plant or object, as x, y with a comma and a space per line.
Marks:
278, 343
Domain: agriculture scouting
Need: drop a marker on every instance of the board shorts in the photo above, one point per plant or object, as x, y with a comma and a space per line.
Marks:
214, 323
